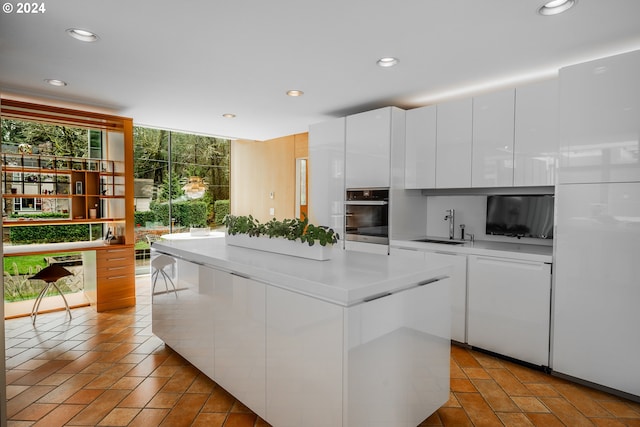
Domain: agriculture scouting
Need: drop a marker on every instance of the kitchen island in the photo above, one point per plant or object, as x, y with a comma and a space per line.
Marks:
358, 340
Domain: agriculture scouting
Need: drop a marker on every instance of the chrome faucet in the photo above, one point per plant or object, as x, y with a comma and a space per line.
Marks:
451, 218
464, 234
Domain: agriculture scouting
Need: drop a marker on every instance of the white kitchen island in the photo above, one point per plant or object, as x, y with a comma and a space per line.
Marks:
358, 340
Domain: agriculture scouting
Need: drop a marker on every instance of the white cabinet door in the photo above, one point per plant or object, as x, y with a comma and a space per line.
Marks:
458, 291
407, 253
420, 151
599, 116
185, 321
509, 307
597, 286
371, 248
304, 360
536, 134
368, 149
457, 285
326, 180
493, 121
239, 310
453, 144
397, 357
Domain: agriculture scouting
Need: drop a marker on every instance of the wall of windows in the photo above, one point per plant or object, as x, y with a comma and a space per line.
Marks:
181, 181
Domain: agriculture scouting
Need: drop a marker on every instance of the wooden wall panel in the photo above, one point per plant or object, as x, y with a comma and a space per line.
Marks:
260, 168
301, 141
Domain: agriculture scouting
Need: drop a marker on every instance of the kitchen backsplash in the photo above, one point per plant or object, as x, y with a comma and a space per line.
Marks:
470, 210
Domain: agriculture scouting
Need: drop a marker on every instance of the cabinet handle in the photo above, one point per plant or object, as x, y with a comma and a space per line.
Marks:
366, 203
117, 277
116, 259
445, 253
530, 264
116, 268
375, 297
426, 282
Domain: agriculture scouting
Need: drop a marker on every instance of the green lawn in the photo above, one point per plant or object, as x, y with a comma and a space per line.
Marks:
23, 263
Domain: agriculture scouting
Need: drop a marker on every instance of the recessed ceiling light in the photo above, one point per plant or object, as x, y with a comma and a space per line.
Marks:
82, 35
295, 93
556, 6
56, 82
387, 62
228, 115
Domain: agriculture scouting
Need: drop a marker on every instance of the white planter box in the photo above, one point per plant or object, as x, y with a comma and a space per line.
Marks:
281, 246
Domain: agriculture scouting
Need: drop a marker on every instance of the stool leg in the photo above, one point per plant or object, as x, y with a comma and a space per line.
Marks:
36, 303
64, 299
154, 279
166, 277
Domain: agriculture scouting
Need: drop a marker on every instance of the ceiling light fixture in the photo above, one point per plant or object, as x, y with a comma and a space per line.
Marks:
229, 115
56, 82
195, 187
555, 7
295, 93
82, 35
387, 62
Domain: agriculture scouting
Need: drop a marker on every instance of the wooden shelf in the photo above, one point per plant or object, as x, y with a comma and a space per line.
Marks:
59, 221
87, 184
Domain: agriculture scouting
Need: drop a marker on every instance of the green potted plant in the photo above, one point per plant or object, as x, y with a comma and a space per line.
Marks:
282, 236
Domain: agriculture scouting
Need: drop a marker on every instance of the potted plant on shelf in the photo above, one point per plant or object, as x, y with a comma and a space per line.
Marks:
281, 236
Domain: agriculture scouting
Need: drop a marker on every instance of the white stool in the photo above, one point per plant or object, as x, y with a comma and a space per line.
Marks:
158, 265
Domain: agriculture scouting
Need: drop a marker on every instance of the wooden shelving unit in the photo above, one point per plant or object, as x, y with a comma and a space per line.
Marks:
74, 190
82, 191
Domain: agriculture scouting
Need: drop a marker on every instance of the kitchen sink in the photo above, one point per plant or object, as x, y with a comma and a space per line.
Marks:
446, 242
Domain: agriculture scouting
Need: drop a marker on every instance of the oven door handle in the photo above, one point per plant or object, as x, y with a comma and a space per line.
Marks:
366, 202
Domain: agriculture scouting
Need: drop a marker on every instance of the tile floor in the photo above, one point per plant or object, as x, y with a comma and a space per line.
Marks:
108, 369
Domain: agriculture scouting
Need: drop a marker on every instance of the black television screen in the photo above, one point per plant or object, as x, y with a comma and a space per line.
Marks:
520, 216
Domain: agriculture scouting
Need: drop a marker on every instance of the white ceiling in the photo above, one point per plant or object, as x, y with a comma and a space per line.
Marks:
182, 64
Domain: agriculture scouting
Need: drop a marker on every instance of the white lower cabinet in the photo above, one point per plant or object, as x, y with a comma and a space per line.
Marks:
239, 317
376, 364
458, 291
457, 285
298, 361
509, 307
184, 319
397, 357
304, 360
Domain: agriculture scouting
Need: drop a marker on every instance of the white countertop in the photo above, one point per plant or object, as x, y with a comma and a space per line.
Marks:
50, 247
526, 252
348, 278
189, 236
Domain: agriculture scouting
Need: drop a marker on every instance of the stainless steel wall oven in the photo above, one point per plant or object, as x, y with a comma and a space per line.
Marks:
367, 215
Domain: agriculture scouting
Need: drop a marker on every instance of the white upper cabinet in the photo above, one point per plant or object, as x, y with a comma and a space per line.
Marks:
536, 134
368, 147
326, 180
453, 144
420, 151
492, 164
600, 120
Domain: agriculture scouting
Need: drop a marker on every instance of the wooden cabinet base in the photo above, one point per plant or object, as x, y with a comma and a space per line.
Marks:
115, 304
115, 278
